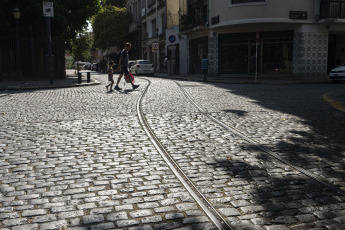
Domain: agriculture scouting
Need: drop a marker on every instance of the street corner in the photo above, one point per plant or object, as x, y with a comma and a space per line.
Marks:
336, 99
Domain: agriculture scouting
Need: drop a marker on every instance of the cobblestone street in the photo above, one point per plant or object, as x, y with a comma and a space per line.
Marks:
79, 157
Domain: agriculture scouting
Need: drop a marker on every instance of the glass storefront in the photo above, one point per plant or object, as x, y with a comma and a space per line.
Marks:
238, 53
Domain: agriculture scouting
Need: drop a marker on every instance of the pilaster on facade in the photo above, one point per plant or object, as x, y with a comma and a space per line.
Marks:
310, 53
213, 54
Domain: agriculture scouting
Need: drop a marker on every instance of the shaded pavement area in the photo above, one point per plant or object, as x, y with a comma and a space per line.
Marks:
334, 98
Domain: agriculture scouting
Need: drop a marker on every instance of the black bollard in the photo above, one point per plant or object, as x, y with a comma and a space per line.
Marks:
79, 78
88, 77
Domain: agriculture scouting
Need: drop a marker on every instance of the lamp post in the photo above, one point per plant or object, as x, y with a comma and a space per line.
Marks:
16, 15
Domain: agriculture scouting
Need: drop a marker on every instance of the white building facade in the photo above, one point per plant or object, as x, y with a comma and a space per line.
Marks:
301, 39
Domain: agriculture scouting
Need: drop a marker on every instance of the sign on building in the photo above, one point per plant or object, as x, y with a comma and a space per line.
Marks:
172, 38
155, 47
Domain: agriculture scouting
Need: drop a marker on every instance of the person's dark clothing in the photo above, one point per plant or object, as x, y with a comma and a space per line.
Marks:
125, 58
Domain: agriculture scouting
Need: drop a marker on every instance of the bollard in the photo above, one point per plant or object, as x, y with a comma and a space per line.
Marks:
88, 77
79, 78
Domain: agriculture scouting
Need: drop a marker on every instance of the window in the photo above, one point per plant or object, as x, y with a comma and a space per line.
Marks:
245, 1
154, 30
151, 3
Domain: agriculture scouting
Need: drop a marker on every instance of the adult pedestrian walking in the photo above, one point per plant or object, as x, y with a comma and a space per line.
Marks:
110, 76
205, 65
165, 63
123, 66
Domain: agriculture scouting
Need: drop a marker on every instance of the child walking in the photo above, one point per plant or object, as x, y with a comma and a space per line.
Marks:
110, 76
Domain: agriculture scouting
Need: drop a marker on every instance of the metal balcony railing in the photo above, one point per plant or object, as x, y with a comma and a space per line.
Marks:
190, 21
332, 9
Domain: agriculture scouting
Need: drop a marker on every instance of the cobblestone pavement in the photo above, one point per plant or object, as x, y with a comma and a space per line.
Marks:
250, 188
297, 124
79, 157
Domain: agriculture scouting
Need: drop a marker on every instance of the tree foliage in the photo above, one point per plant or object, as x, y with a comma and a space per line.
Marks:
117, 3
81, 47
70, 17
110, 27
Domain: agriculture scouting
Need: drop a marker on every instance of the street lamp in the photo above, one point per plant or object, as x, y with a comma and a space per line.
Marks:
16, 15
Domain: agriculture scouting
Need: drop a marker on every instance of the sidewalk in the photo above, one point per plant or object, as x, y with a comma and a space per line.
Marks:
243, 79
70, 81
335, 98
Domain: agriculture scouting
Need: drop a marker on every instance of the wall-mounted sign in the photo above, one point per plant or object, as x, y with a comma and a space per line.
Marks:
214, 20
301, 15
155, 47
48, 9
172, 38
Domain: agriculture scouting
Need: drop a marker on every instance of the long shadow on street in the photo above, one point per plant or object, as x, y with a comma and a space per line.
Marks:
309, 133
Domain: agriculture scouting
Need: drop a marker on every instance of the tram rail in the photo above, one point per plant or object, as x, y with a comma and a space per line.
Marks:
260, 146
216, 218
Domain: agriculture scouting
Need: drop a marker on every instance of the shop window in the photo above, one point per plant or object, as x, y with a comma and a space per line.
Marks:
274, 49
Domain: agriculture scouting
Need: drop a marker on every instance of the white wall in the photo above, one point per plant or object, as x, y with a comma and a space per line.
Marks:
269, 11
183, 44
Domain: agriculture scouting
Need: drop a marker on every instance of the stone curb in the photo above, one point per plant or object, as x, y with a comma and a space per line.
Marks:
36, 87
333, 102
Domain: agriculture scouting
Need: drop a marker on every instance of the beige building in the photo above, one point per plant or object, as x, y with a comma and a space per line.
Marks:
302, 39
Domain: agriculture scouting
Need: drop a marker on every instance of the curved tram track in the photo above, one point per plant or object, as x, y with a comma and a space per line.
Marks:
260, 146
210, 211
219, 221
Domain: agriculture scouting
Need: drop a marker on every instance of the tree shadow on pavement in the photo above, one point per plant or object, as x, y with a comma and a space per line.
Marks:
297, 124
273, 198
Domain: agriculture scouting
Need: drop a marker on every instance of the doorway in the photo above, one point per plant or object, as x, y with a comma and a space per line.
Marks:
254, 63
174, 56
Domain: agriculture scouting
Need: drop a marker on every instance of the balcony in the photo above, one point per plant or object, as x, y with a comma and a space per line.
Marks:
193, 21
332, 9
161, 3
151, 10
144, 37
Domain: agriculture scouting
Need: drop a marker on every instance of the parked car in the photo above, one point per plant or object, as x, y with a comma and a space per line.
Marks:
338, 74
81, 64
131, 63
142, 67
94, 66
87, 66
